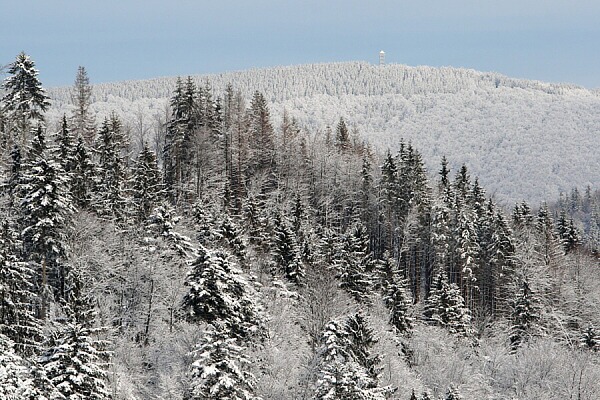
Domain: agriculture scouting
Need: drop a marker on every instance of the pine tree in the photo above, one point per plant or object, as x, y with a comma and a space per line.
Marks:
81, 97
25, 100
220, 370
219, 295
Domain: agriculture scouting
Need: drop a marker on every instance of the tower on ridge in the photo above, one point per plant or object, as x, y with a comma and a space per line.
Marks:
382, 57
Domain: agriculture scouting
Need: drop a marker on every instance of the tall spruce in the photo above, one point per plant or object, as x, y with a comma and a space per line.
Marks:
82, 118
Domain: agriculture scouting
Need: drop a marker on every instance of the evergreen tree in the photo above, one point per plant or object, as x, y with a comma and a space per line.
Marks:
219, 295
361, 339
15, 380
590, 339
446, 308
342, 136
17, 321
286, 254
355, 264
146, 184
111, 168
231, 237
453, 393
74, 362
524, 316
398, 303
44, 209
340, 376
219, 370
262, 141
81, 97
66, 154
83, 178
25, 100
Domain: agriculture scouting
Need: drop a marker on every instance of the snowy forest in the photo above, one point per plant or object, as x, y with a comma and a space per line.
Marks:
233, 255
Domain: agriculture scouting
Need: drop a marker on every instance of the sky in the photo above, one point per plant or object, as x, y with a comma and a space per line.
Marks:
547, 40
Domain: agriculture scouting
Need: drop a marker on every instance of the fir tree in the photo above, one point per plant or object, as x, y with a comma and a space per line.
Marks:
66, 154
262, 141
398, 303
44, 209
232, 238
342, 136
361, 339
74, 362
286, 253
146, 184
453, 393
220, 370
111, 168
446, 308
524, 316
15, 380
219, 295
17, 321
25, 100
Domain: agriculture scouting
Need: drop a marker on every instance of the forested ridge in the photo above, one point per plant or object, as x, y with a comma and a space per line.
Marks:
229, 257
525, 140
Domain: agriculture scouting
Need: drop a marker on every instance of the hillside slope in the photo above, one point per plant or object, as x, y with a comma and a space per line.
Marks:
524, 139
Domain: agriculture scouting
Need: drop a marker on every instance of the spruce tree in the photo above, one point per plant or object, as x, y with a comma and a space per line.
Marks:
220, 370
397, 301
219, 295
25, 101
111, 169
15, 379
44, 210
590, 339
261, 134
445, 307
355, 264
342, 136
17, 320
82, 119
286, 254
83, 177
146, 184
74, 362
525, 314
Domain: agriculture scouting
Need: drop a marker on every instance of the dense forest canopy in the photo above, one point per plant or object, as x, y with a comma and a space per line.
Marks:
525, 140
218, 254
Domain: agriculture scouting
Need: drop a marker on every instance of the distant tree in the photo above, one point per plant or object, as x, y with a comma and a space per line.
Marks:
342, 136
453, 393
261, 135
82, 119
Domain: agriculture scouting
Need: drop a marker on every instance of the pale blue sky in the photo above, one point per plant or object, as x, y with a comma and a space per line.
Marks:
549, 40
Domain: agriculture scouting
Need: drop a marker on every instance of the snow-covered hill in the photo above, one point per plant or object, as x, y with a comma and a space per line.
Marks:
524, 139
